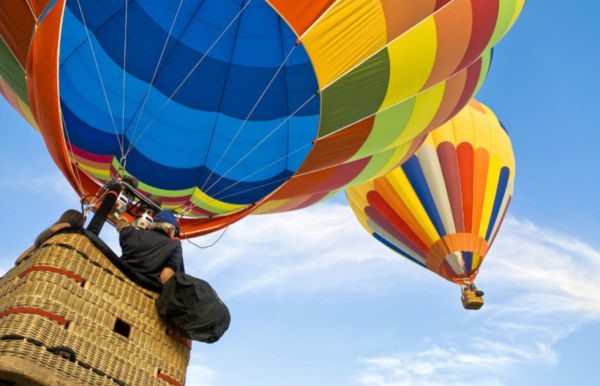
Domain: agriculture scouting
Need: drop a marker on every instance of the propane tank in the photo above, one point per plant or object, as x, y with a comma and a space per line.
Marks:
145, 214
124, 198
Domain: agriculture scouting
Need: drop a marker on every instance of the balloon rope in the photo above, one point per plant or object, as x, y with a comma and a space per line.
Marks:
235, 194
261, 142
154, 76
301, 87
124, 73
32, 11
248, 116
211, 245
248, 190
188, 209
188, 76
256, 172
282, 66
100, 76
70, 147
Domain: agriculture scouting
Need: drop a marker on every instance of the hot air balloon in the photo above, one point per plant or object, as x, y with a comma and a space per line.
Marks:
225, 108
442, 208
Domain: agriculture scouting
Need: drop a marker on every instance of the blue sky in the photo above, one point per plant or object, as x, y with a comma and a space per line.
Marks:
315, 301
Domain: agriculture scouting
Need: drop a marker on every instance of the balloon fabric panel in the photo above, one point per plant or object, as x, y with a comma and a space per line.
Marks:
418, 181
456, 91
448, 162
465, 155
383, 209
390, 196
12, 73
430, 163
301, 14
17, 24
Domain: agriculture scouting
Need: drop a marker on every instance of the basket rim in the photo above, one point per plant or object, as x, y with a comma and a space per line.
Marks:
122, 266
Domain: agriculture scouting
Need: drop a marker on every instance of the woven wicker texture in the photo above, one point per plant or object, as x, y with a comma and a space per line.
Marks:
74, 283
471, 301
41, 357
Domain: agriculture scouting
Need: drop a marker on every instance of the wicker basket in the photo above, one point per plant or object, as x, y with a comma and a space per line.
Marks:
471, 301
68, 316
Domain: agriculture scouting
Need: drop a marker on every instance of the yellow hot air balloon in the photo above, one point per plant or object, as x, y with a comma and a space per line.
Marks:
443, 207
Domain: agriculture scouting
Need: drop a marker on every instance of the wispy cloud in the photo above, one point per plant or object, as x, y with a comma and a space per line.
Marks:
198, 375
479, 362
541, 287
546, 286
320, 247
19, 176
553, 273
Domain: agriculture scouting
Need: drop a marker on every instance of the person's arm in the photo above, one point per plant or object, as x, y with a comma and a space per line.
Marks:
27, 252
173, 265
165, 275
56, 227
42, 239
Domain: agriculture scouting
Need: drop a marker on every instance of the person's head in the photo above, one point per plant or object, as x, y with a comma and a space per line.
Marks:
131, 181
166, 222
155, 198
72, 215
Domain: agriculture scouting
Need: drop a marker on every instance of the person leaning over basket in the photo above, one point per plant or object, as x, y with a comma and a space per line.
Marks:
71, 218
154, 254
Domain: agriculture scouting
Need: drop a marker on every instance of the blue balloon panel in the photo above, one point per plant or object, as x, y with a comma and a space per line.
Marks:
198, 93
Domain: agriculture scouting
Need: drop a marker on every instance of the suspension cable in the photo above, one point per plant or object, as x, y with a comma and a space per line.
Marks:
100, 77
188, 209
207, 246
261, 142
124, 73
154, 75
188, 76
251, 189
264, 168
77, 176
248, 116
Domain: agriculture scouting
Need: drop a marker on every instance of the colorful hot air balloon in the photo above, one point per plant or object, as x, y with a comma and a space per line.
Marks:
443, 207
226, 107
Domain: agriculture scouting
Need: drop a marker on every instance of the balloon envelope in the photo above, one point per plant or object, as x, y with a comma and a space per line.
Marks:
216, 105
443, 207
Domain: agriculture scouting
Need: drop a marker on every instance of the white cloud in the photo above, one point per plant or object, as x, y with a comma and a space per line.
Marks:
556, 274
320, 247
316, 248
541, 286
545, 287
45, 180
198, 375
479, 363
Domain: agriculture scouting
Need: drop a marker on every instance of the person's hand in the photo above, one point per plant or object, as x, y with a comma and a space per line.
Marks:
165, 275
122, 223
